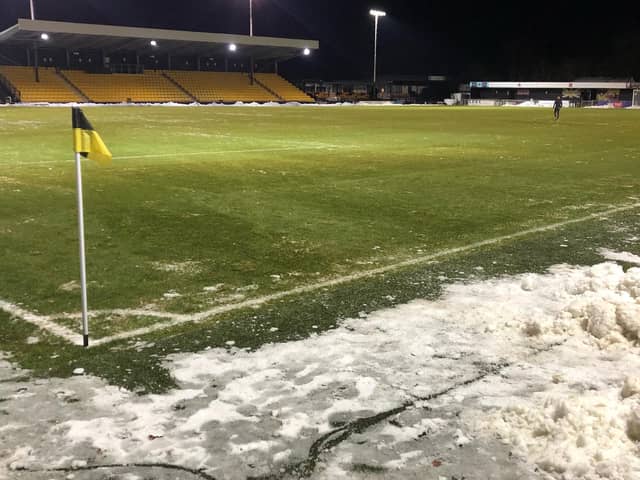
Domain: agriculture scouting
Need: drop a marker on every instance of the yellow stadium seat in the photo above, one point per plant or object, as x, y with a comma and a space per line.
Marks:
282, 88
50, 88
209, 87
149, 87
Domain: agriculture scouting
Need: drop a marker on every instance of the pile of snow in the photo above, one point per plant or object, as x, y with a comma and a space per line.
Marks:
602, 301
209, 105
378, 103
590, 428
620, 256
537, 103
584, 435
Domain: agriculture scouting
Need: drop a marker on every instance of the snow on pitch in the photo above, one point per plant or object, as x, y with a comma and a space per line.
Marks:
521, 377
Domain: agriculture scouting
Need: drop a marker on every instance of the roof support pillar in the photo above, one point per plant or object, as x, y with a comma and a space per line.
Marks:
276, 67
226, 64
28, 57
168, 61
68, 57
198, 62
251, 70
35, 63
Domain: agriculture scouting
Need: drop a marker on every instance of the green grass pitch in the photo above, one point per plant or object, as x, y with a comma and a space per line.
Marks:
205, 207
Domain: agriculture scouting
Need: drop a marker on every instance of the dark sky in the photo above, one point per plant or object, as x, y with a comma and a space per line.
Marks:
516, 40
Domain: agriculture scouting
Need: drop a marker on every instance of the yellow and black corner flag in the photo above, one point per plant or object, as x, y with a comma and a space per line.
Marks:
86, 141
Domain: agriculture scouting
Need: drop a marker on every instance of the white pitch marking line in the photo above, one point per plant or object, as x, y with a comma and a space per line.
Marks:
222, 152
192, 154
179, 319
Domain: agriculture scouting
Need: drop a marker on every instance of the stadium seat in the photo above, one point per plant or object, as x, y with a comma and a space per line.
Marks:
150, 87
51, 87
282, 88
209, 87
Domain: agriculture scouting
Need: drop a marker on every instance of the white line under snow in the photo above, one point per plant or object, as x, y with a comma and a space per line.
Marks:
42, 321
193, 154
179, 319
224, 152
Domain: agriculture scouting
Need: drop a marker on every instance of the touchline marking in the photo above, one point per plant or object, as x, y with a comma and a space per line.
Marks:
45, 322
194, 154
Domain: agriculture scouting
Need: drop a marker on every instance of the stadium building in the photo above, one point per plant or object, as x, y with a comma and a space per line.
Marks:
619, 94
400, 89
46, 61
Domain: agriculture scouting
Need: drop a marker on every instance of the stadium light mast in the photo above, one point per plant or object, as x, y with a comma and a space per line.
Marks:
376, 14
33, 13
250, 18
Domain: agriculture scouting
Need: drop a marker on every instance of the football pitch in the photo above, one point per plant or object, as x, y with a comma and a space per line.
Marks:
242, 226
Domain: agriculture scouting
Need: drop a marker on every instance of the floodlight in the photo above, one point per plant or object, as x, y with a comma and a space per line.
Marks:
44, 36
306, 52
233, 47
377, 14
153, 43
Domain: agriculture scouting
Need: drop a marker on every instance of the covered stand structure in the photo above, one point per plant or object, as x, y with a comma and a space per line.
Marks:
105, 49
587, 92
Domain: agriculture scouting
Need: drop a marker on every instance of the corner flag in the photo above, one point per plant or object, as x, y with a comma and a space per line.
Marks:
86, 141
88, 144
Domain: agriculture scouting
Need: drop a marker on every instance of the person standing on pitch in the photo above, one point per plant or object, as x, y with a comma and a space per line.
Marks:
557, 105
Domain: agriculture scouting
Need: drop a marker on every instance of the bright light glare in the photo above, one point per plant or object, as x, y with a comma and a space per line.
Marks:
377, 13
233, 47
153, 43
44, 36
306, 51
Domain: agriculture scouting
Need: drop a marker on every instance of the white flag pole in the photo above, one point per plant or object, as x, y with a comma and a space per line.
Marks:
83, 267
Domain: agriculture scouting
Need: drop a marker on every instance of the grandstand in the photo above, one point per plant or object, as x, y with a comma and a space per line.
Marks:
86, 63
149, 87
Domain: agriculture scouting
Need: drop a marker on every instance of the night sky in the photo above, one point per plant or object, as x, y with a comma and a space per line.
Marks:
465, 40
